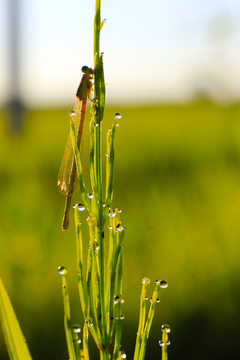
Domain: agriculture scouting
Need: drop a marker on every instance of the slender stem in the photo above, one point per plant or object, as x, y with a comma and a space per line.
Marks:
112, 230
164, 347
97, 157
92, 324
104, 354
148, 323
76, 345
66, 305
141, 324
118, 332
79, 170
79, 247
115, 261
85, 342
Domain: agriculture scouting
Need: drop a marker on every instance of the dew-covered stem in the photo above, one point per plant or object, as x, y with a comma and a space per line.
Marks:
109, 167
79, 170
85, 342
115, 261
67, 317
111, 237
165, 342
79, 250
142, 315
76, 341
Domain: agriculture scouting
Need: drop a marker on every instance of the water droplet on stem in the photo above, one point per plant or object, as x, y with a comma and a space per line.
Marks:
62, 270
163, 284
112, 212
118, 116
166, 327
120, 227
76, 328
118, 299
146, 281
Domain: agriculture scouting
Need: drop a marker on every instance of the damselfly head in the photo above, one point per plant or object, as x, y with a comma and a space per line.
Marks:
87, 70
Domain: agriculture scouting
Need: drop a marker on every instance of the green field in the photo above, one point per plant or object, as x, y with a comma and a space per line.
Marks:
177, 182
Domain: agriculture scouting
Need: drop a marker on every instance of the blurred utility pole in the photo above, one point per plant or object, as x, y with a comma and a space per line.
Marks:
15, 104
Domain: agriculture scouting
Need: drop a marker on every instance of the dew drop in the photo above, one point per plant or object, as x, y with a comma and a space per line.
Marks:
97, 247
80, 206
78, 341
158, 300
118, 299
112, 212
106, 154
62, 270
166, 327
120, 227
110, 227
163, 284
118, 116
102, 54
146, 281
76, 328
123, 355
90, 195
89, 322
161, 343
72, 113
122, 317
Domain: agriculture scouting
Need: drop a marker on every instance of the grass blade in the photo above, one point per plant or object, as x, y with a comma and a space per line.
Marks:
14, 338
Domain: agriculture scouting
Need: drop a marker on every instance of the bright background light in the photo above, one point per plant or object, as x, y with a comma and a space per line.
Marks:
155, 51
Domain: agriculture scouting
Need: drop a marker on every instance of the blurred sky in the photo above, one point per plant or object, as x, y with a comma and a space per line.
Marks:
155, 51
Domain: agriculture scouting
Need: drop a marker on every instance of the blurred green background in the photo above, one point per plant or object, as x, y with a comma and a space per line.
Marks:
177, 182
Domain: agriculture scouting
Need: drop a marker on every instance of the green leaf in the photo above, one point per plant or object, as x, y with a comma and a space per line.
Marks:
14, 338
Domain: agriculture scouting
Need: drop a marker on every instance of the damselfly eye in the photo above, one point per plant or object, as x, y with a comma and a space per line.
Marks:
87, 70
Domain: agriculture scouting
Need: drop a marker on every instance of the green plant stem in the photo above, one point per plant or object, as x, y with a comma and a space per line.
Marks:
79, 170
93, 327
164, 347
104, 354
76, 345
118, 332
141, 324
109, 167
113, 271
85, 342
79, 247
148, 323
110, 264
66, 306
97, 157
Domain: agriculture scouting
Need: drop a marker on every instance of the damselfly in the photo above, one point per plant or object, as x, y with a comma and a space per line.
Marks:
67, 172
